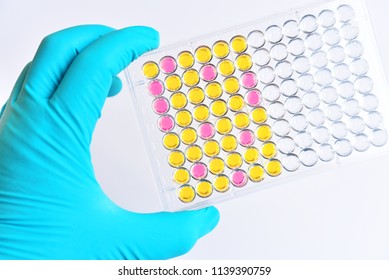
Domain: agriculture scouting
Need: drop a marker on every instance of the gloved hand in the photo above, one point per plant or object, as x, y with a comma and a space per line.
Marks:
51, 206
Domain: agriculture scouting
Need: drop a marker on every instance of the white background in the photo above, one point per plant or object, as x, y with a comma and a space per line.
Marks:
337, 214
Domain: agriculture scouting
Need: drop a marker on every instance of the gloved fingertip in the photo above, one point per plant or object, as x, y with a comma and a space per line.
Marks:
116, 86
149, 33
208, 218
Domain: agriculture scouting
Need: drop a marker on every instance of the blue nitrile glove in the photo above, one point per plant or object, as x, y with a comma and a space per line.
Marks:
51, 206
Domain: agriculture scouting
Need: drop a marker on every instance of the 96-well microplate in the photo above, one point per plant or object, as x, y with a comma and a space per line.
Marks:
244, 108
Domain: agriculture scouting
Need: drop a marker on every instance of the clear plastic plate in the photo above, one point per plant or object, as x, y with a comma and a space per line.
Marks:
261, 103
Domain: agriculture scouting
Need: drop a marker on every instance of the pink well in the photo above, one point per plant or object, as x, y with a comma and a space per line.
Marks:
161, 105
168, 64
166, 123
206, 130
155, 87
246, 137
249, 80
253, 97
199, 170
208, 72
239, 178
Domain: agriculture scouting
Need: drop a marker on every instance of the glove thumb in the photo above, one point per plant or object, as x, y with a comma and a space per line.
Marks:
163, 235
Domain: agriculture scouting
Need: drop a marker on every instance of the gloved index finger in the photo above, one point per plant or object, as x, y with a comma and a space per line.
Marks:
55, 53
87, 82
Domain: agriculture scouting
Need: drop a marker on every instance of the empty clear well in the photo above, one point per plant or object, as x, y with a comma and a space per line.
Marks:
240, 109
